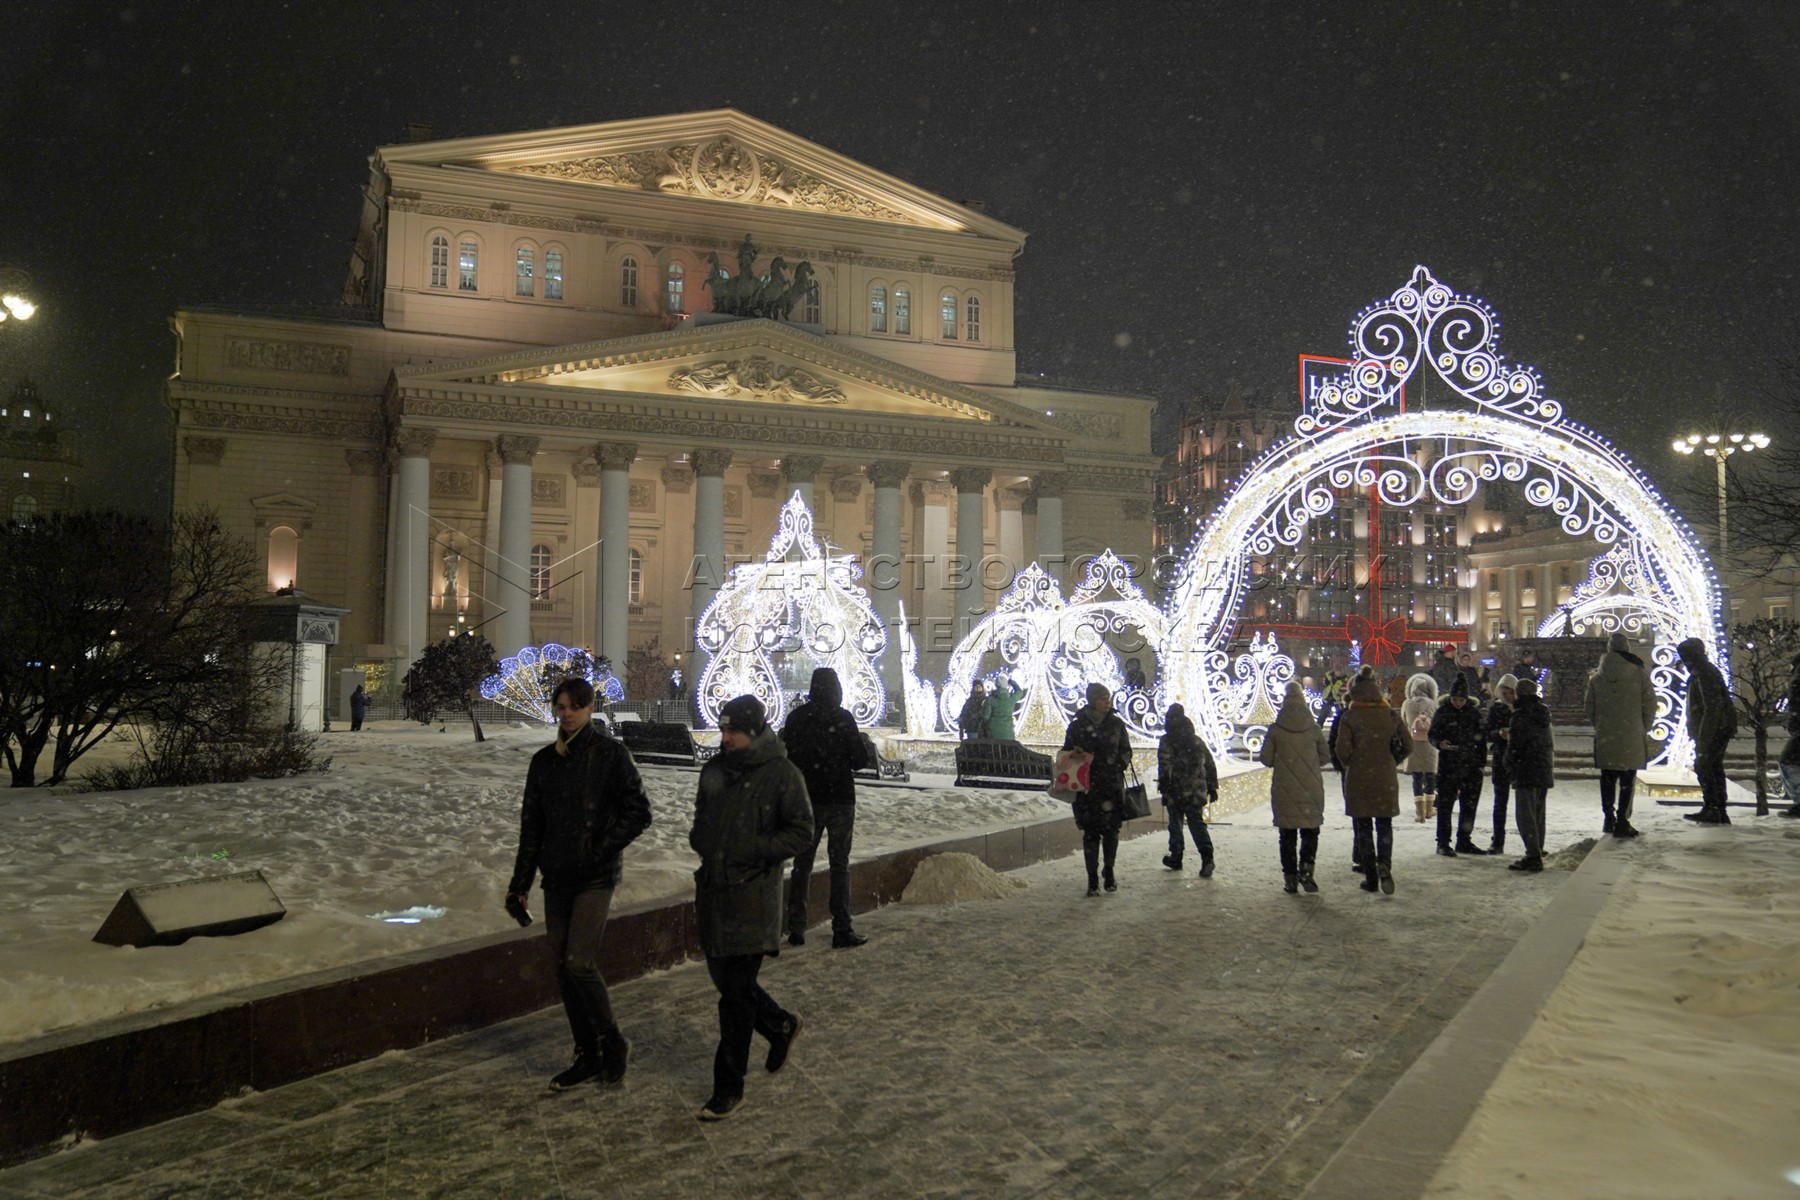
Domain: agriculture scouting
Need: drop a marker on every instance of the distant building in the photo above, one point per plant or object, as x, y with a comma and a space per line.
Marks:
38, 461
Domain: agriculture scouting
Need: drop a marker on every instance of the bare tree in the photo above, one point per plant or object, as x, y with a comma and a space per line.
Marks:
1762, 653
107, 618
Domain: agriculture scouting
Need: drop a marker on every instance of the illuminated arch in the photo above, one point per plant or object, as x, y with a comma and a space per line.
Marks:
1356, 435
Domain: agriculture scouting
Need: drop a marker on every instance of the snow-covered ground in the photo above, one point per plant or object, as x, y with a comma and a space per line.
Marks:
407, 817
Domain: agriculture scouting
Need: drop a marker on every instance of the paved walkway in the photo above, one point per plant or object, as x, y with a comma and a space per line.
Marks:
1182, 1037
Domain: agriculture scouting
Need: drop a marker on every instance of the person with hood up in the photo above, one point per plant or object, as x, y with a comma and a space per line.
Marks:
1296, 750
971, 719
1531, 761
823, 741
1620, 702
1419, 707
584, 803
1790, 753
1188, 780
1002, 707
1372, 740
1711, 722
1457, 735
1499, 718
751, 814
1100, 810
1444, 669
359, 708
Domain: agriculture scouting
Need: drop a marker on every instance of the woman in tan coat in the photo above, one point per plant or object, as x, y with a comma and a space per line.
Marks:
1295, 747
1371, 742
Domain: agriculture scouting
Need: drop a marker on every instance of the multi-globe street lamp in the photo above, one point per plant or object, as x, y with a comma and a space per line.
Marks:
1719, 447
15, 295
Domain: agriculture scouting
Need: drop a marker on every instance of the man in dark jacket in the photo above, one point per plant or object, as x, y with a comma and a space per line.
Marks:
1531, 761
1499, 718
1711, 722
1790, 752
823, 741
750, 816
1462, 751
1100, 810
1444, 672
584, 803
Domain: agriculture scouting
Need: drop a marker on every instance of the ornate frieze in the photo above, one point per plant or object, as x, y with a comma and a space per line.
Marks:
1095, 425
306, 358
643, 496
454, 483
204, 451
548, 491
758, 377
329, 428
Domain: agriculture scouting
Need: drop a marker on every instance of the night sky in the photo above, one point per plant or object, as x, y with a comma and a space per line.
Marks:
1208, 193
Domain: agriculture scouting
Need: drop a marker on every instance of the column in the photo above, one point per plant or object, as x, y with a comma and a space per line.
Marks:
1009, 523
359, 543
708, 571
584, 534
512, 628
799, 470
1048, 491
931, 541
491, 590
971, 545
408, 586
884, 574
614, 625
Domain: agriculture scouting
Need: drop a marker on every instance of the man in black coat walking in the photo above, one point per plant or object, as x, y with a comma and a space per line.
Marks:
584, 803
822, 740
1456, 731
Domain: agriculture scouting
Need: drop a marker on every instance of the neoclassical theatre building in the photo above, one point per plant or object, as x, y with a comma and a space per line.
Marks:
527, 419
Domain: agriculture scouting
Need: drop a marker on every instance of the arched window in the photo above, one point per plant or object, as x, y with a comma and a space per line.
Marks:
972, 318
542, 556
902, 311
284, 557
524, 272
677, 285
24, 507
947, 315
628, 269
553, 274
877, 309
809, 308
467, 255
635, 576
440, 261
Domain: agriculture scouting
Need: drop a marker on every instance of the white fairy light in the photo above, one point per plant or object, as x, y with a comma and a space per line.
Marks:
519, 684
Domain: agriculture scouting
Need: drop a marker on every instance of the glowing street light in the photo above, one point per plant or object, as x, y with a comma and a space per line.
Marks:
1719, 447
15, 300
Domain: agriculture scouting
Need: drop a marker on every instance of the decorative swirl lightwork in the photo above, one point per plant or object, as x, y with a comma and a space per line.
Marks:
522, 683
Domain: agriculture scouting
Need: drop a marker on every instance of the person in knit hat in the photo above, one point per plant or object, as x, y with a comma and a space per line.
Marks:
1100, 811
1371, 741
1620, 703
1457, 734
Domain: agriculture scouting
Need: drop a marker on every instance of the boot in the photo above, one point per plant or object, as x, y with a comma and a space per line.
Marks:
1172, 861
1206, 867
1606, 822
1498, 845
615, 1053
1419, 803
1624, 829
1386, 879
1306, 878
1290, 882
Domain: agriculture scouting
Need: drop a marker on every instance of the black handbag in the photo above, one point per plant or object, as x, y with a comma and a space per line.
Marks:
1137, 798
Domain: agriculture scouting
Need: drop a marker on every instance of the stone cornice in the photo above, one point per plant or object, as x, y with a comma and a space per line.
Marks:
310, 425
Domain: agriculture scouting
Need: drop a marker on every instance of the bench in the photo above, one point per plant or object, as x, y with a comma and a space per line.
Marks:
668, 742
885, 770
989, 762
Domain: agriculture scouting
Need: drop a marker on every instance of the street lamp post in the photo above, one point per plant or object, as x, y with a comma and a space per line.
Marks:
1719, 447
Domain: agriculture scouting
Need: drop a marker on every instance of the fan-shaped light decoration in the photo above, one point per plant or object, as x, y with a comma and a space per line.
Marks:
1355, 436
1054, 648
776, 620
520, 683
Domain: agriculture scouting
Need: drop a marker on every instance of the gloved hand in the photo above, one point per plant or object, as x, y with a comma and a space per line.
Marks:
516, 908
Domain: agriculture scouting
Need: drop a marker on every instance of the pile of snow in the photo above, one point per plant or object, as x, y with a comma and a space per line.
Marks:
955, 878
406, 843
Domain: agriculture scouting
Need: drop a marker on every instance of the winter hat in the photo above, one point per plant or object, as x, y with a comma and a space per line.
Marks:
1460, 686
1692, 648
1366, 671
1618, 643
1507, 681
744, 714
1096, 692
1527, 689
1449, 648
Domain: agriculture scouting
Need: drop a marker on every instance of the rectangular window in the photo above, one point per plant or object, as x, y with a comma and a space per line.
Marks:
677, 286
902, 311
465, 267
440, 262
524, 273
628, 283
947, 314
553, 275
809, 311
1778, 612
878, 310
973, 311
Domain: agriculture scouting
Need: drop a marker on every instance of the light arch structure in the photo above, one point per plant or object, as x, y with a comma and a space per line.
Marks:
1501, 426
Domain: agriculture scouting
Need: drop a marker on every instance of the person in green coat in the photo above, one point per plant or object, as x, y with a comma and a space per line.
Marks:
751, 815
1002, 704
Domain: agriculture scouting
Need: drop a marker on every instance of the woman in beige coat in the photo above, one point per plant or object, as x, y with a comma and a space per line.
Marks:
1295, 747
1371, 741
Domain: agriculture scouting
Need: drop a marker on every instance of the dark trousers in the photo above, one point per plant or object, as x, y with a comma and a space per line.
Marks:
839, 822
1374, 842
1502, 791
1092, 842
1196, 824
1425, 783
356, 722
743, 1007
573, 923
1461, 791
1709, 768
1308, 840
1528, 812
1624, 783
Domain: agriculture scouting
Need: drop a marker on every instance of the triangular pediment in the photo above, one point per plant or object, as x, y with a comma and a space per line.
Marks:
740, 362
720, 155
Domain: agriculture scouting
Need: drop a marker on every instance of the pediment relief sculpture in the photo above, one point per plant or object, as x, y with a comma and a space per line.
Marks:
757, 378
720, 169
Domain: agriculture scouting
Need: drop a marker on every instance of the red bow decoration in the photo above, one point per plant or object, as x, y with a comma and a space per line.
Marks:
1380, 644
